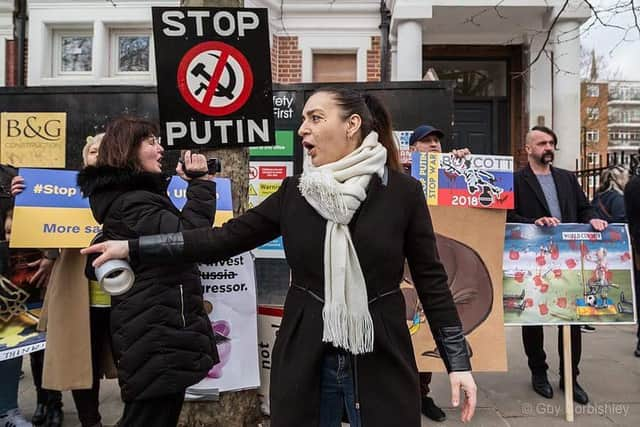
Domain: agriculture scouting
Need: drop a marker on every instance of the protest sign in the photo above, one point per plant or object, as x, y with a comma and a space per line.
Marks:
33, 139
229, 293
473, 262
214, 77
18, 334
51, 212
568, 274
475, 181
269, 319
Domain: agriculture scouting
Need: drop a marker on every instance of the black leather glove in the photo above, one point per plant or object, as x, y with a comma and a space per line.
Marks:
453, 348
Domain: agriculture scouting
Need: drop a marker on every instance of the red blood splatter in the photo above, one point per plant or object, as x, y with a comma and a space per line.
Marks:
540, 260
615, 236
571, 263
557, 273
519, 276
514, 255
543, 309
528, 302
573, 245
537, 280
544, 288
562, 302
555, 252
625, 257
516, 234
609, 275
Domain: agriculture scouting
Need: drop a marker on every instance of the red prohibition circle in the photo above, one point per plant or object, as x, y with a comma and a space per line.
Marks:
225, 49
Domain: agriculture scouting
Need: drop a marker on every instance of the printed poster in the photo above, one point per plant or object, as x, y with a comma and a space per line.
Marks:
51, 212
265, 178
568, 274
475, 181
229, 293
269, 319
19, 336
472, 257
33, 139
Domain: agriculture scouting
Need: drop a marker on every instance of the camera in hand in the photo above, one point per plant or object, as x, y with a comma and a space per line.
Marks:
213, 165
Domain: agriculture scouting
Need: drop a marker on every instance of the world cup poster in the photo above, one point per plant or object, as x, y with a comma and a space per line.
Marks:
568, 274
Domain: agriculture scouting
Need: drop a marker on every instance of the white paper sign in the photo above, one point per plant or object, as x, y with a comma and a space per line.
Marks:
229, 292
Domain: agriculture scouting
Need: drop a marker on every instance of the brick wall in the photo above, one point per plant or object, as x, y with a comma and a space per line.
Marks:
286, 60
10, 62
591, 123
373, 60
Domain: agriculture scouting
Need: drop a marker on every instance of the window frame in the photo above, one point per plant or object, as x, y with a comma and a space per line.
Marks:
114, 51
590, 135
591, 115
56, 64
593, 91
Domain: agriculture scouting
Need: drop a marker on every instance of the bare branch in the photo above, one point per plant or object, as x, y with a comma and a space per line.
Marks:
635, 16
546, 40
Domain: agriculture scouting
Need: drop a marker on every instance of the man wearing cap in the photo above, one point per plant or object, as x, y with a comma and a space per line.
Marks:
547, 196
426, 139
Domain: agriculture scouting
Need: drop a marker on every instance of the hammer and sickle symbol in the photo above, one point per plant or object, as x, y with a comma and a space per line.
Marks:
225, 91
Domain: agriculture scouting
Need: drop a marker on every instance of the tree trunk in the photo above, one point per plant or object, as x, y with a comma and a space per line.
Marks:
234, 409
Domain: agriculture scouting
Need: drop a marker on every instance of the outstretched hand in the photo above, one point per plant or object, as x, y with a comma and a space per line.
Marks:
464, 381
111, 249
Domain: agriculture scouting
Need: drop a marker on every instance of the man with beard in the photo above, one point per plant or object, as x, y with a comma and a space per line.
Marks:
546, 196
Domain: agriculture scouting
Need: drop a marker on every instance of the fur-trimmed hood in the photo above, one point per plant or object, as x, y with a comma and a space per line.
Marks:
103, 184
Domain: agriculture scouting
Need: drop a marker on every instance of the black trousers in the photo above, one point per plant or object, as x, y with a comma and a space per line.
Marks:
87, 401
45, 397
425, 382
637, 285
533, 340
159, 412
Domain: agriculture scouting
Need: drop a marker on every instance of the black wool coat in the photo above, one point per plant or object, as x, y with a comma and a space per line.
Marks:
162, 338
530, 203
392, 224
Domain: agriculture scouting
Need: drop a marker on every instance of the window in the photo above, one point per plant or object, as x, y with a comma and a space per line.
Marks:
73, 53
593, 113
473, 78
593, 135
130, 52
593, 160
334, 67
593, 91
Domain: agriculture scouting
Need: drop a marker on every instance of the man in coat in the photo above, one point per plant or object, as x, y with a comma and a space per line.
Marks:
547, 196
632, 206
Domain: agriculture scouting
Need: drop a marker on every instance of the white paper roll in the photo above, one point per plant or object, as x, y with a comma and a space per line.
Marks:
115, 277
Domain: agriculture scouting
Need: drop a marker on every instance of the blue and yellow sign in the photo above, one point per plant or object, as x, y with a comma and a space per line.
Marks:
51, 212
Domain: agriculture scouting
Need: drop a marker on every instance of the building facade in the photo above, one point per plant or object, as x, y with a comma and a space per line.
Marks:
624, 116
508, 78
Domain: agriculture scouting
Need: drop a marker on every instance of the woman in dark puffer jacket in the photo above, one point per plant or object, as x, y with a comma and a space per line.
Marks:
162, 338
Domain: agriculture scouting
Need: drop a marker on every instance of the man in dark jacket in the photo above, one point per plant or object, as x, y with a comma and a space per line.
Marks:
632, 205
547, 196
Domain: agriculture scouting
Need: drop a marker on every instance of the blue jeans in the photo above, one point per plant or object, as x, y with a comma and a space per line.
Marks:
337, 389
9, 379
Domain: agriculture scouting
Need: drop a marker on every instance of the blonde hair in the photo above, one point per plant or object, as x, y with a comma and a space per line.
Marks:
614, 178
91, 141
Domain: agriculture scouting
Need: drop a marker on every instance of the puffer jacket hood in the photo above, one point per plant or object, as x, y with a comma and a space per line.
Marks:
112, 182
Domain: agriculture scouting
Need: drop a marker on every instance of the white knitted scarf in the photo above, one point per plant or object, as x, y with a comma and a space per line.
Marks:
335, 191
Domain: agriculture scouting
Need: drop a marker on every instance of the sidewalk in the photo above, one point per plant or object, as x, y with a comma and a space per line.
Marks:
610, 374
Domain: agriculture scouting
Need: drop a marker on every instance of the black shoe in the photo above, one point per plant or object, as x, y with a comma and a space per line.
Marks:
40, 414
579, 395
55, 416
587, 328
431, 411
637, 352
541, 385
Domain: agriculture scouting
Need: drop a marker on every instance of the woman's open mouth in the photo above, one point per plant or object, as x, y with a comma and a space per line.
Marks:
309, 147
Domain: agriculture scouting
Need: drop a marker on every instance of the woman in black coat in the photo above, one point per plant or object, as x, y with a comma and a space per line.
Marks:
162, 338
348, 223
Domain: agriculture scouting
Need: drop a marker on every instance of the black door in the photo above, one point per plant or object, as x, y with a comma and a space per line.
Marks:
481, 125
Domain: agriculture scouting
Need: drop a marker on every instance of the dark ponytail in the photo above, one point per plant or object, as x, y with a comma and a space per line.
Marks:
374, 115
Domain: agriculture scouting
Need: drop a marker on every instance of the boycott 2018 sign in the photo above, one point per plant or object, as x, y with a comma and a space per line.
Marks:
214, 77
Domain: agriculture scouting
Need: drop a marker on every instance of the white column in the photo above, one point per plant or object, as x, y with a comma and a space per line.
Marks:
539, 88
566, 92
393, 48
409, 55
101, 52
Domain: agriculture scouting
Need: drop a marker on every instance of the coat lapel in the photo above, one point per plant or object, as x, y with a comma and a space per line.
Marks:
532, 181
